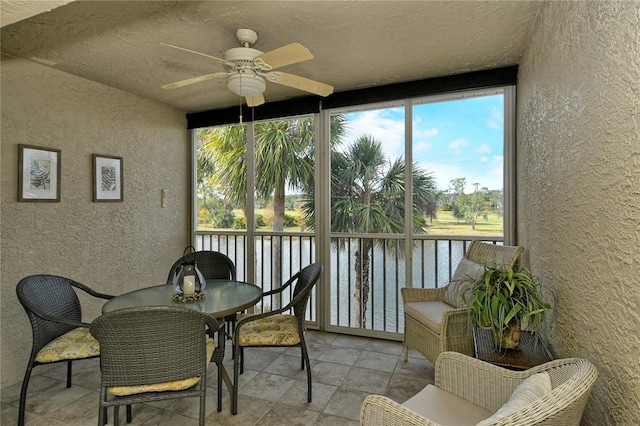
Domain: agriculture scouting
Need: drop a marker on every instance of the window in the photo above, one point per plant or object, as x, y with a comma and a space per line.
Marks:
388, 195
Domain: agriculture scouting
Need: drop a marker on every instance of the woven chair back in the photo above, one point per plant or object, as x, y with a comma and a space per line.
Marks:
149, 345
495, 255
212, 264
307, 278
48, 295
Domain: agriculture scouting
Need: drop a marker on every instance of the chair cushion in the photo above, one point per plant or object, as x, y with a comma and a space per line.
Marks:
460, 281
75, 344
175, 385
532, 388
445, 408
280, 330
428, 313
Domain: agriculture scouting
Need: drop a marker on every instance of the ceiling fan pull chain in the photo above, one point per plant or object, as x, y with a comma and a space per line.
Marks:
241, 100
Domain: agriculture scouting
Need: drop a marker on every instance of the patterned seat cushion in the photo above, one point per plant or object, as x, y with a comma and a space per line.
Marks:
281, 330
175, 385
75, 344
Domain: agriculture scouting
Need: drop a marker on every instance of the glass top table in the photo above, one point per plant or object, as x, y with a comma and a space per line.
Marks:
222, 298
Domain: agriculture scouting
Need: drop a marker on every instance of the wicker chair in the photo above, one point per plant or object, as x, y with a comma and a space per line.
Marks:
59, 335
432, 326
144, 359
488, 387
277, 327
214, 266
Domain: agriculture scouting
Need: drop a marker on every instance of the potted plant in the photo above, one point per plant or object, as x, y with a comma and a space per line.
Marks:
504, 300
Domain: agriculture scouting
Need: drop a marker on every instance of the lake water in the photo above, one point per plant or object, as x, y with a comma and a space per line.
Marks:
433, 261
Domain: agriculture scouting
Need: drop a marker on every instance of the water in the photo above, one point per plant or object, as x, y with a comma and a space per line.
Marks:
433, 262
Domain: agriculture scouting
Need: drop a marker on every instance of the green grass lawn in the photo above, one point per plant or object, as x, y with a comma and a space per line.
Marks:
445, 224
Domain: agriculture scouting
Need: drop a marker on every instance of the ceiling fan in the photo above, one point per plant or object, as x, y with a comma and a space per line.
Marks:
249, 69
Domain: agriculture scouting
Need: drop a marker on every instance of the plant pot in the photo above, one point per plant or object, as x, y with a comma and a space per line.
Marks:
509, 338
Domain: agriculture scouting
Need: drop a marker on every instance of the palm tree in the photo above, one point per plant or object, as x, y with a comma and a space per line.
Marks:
368, 197
221, 162
284, 158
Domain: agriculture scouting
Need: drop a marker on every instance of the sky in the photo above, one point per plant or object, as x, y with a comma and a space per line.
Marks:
452, 139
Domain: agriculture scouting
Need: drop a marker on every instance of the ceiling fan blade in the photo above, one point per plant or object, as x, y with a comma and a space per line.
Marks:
302, 83
197, 53
193, 80
285, 55
256, 100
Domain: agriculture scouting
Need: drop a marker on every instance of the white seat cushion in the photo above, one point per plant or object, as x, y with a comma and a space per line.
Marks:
461, 281
445, 408
531, 389
428, 313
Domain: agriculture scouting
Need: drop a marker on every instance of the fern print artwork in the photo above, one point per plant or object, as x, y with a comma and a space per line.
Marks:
109, 179
40, 174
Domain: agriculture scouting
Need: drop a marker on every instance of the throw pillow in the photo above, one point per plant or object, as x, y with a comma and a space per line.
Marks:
459, 283
532, 388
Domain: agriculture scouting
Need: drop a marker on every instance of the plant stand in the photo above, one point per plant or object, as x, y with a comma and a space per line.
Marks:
531, 352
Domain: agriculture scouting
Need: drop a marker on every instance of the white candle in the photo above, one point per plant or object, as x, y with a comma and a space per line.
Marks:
189, 285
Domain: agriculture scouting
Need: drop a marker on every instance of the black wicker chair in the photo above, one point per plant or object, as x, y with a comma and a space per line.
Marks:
277, 327
214, 266
153, 354
55, 313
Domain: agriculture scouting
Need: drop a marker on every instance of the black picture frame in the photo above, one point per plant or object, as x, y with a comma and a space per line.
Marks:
107, 178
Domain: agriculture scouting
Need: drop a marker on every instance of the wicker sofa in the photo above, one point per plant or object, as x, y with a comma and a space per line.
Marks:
435, 319
468, 390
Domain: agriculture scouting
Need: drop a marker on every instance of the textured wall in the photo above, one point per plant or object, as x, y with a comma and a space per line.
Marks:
112, 247
579, 190
16, 10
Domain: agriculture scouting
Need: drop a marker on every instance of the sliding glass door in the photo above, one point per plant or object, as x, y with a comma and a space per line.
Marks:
386, 196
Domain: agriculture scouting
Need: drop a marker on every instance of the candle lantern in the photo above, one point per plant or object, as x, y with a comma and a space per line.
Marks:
188, 280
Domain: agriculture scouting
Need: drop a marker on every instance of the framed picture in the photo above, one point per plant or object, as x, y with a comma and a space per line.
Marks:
38, 174
107, 178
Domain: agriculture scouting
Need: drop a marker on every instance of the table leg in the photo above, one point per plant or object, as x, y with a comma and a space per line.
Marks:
222, 370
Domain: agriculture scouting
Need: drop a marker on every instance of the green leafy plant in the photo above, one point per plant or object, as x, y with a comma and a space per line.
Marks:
499, 300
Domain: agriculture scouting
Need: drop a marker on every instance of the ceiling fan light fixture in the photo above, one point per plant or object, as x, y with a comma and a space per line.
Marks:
246, 84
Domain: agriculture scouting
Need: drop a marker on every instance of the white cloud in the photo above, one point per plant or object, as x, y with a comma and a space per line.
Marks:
385, 130
496, 119
422, 147
426, 133
484, 148
458, 144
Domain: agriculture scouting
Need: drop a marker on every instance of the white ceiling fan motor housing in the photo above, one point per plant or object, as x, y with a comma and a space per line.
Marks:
242, 56
244, 81
246, 84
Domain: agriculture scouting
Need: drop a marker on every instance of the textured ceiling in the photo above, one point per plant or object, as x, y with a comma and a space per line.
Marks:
356, 44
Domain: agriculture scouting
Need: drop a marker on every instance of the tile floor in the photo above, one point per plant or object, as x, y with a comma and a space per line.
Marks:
273, 389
